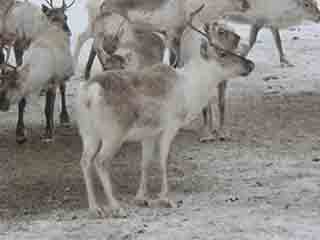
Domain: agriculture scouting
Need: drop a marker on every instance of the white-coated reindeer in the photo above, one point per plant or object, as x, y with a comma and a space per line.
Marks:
145, 42
99, 12
148, 106
226, 38
275, 15
23, 22
47, 63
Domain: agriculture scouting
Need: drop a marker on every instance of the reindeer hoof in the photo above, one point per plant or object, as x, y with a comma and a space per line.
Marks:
42, 92
105, 212
285, 63
65, 120
97, 212
142, 201
164, 203
21, 139
118, 213
208, 138
222, 135
47, 138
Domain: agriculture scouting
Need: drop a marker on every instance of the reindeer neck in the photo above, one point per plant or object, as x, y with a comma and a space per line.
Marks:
200, 79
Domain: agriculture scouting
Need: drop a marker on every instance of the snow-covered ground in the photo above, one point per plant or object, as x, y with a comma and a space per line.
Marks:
262, 184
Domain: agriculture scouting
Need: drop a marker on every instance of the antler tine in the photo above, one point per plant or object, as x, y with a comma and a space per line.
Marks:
49, 3
189, 23
119, 29
14, 68
65, 6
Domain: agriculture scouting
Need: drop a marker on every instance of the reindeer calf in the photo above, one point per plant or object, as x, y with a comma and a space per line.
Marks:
148, 106
275, 15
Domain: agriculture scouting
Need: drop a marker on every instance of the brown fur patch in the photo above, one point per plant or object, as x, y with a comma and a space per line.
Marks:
137, 97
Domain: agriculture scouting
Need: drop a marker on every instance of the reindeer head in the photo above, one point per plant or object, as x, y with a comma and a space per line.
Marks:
57, 15
227, 63
241, 5
111, 42
310, 10
224, 36
9, 86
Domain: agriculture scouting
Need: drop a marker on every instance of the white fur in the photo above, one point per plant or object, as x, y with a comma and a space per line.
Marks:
47, 61
26, 20
273, 13
159, 118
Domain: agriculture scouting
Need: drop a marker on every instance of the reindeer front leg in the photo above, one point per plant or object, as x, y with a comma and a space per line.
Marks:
148, 153
207, 134
254, 31
277, 38
64, 115
90, 62
164, 144
49, 112
20, 130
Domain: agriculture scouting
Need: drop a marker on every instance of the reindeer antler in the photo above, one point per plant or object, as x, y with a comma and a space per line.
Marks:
49, 3
65, 6
119, 29
189, 23
8, 65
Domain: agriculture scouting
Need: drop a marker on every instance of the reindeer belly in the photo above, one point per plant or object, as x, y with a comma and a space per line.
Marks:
148, 121
280, 14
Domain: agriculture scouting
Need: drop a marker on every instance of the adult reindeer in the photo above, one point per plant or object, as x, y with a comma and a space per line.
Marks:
275, 15
47, 64
23, 22
226, 38
148, 106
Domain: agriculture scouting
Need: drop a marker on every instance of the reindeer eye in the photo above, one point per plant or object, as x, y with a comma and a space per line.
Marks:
306, 5
221, 53
221, 32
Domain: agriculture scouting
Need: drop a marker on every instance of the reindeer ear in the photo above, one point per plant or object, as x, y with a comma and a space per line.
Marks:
45, 9
204, 49
206, 27
245, 5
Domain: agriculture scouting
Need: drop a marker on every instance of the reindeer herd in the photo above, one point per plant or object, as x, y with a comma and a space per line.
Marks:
185, 52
